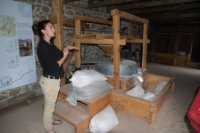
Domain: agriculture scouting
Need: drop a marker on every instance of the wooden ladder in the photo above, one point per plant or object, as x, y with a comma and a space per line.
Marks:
79, 116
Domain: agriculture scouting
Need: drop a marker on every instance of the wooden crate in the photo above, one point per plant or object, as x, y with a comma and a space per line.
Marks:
140, 107
125, 83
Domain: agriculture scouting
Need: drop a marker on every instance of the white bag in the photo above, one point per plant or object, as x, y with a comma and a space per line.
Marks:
88, 92
103, 121
83, 78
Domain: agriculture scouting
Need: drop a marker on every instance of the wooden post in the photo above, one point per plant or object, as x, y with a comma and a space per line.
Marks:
116, 54
144, 48
58, 13
77, 43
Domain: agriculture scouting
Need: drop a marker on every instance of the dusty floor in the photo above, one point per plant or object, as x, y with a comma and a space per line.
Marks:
27, 118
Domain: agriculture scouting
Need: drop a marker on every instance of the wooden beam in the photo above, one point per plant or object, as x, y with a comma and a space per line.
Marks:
77, 43
116, 53
144, 46
95, 36
99, 3
58, 12
128, 16
69, 22
66, 1
66, 21
102, 41
107, 39
175, 16
147, 4
94, 20
137, 41
176, 7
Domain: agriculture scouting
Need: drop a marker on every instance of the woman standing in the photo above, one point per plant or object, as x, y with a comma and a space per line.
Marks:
51, 60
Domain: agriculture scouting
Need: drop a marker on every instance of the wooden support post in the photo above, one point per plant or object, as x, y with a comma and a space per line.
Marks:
116, 54
77, 43
58, 13
144, 48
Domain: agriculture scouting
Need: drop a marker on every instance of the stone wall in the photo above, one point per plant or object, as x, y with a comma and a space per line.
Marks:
42, 9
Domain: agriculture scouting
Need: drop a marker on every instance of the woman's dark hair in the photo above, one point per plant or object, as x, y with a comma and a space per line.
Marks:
37, 27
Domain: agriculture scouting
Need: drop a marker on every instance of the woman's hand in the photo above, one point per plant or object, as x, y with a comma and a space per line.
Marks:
70, 47
65, 52
67, 49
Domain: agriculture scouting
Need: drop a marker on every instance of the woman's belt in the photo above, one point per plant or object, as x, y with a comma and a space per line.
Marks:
52, 77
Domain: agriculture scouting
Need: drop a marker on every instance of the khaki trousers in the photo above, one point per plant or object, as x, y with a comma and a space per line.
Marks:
50, 88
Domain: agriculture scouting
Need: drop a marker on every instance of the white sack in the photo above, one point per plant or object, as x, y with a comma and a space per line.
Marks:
103, 121
88, 92
93, 90
83, 78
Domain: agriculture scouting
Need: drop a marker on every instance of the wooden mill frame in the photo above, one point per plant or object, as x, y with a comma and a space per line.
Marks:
118, 100
113, 39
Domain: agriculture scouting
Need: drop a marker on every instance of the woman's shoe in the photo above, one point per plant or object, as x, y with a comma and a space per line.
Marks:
56, 122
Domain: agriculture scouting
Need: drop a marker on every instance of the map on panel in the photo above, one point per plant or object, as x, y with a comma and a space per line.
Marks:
17, 54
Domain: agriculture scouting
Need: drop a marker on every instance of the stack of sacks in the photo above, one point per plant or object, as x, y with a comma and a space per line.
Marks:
87, 84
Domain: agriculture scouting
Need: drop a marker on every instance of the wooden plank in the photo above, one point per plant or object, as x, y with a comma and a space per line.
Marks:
66, 21
131, 37
107, 49
100, 103
137, 41
128, 16
102, 41
69, 22
133, 106
96, 36
155, 107
175, 8
151, 4
125, 84
69, 113
97, 3
94, 20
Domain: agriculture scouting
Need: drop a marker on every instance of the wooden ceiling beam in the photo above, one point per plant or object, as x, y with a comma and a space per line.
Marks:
65, 1
100, 3
151, 4
173, 14
174, 20
177, 7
